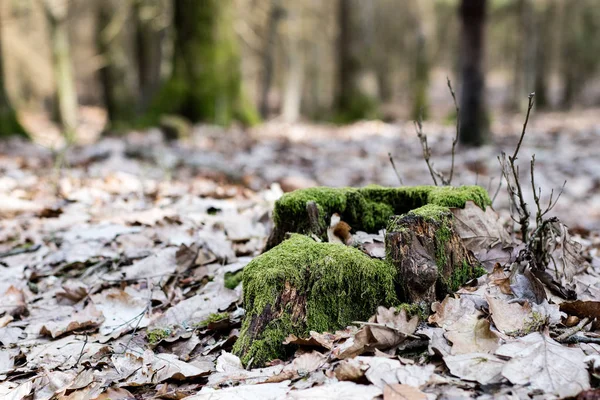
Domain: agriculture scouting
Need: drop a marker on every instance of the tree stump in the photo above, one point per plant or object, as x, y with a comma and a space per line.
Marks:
428, 254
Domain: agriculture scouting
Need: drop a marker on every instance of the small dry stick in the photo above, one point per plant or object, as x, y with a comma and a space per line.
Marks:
570, 332
538, 193
395, 170
455, 140
426, 149
516, 192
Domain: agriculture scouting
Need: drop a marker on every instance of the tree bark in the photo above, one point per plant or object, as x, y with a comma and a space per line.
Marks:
351, 103
206, 81
429, 256
56, 13
149, 38
275, 14
9, 124
473, 118
117, 75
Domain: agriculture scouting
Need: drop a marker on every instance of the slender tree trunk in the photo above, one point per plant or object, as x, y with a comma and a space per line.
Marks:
544, 26
473, 118
9, 124
206, 81
292, 96
56, 13
149, 37
351, 104
117, 74
275, 14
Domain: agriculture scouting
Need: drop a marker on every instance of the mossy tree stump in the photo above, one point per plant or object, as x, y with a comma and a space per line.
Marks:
429, 256
301, 285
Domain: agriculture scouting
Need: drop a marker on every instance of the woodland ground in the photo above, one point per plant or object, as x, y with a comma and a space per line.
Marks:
104, 242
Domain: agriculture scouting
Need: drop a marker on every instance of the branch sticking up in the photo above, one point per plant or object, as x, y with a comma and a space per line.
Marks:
395, 169
435, 175
455, 140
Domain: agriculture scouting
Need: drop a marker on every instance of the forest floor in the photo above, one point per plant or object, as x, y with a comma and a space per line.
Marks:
103, 242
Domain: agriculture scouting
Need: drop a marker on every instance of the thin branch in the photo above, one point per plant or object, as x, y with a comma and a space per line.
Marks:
570, 332
455, 140
529, 107
426, 150
395, 170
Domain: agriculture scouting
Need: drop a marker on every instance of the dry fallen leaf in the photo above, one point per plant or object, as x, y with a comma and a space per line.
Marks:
541, 362
398, 391
480, 367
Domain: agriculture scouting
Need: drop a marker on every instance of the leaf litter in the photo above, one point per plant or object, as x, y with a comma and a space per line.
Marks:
116, 288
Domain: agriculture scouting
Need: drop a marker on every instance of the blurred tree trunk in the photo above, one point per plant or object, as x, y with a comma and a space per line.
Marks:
276, 13
117, 75
206, 81
351, 103
545, 24
424, 14
56, 14
294, 79
526, 63
9, 124
149, 37
473, 118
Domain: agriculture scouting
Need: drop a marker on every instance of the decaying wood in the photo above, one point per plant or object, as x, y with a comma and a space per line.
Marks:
425, 257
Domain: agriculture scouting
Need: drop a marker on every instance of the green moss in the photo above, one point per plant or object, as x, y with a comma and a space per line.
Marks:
369, 208
331, 284
214, 317
232, 279
156, 335
421, 310
462, 274
9, 124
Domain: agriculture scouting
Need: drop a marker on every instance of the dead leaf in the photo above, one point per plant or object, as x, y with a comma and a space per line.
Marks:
87, 318
402, 392
13, 302
539, 361
398, 327
479, 367
479, 229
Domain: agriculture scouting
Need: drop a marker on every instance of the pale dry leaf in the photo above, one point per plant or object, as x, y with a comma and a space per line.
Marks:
265, 391
510, 318
401, 326
479, 229
337, 390
350, 370
49, 384
402, 392
157, 267
12, 302
464, 325
12, 391
87, 318
211, 299
541, 362
122, 311
479, 367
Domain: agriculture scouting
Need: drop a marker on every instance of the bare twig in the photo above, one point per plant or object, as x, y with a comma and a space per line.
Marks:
455, 140
426, 150
570, 332
510, 171
20, 250
395, 170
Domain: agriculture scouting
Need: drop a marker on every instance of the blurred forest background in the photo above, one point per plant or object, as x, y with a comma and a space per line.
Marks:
86, 67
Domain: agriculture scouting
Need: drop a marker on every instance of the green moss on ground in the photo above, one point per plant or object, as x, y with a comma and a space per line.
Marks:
214, 317
156, 335
369, 208
232, 279
326, 286
421, 310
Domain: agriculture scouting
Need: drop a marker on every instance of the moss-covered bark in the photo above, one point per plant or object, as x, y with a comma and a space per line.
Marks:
367, 209
302, 286
429, 256
206, 81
